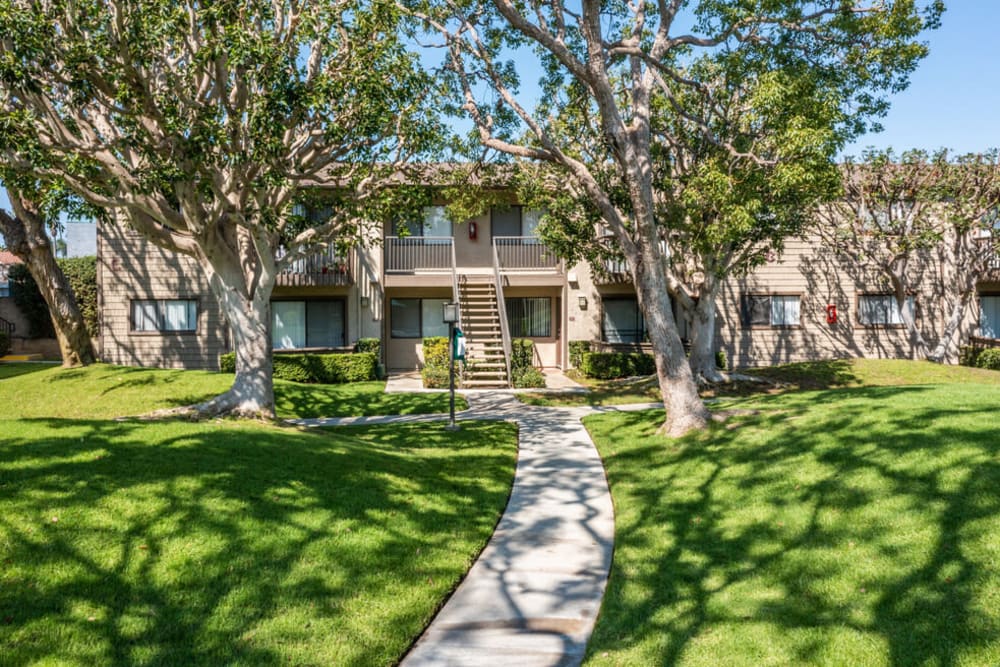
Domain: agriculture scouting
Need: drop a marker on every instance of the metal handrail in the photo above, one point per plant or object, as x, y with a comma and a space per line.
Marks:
406, 254
455, 295
6, 326
524, 253
502, 307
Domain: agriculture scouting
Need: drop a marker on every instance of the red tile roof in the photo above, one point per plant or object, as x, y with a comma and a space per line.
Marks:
7, 257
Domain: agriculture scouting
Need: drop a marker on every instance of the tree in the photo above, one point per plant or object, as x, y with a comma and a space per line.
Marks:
25, 235
199, 125
633, 72
904, 215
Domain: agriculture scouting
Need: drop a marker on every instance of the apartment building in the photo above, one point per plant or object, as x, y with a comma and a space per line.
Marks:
806, 304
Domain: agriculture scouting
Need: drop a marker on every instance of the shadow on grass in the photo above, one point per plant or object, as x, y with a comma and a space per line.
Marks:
217, 544
14, 369
355, 399
831, 524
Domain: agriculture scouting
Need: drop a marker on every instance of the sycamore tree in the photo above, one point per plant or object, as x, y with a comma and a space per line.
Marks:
918, 218
27, 231
201, 124
634, 70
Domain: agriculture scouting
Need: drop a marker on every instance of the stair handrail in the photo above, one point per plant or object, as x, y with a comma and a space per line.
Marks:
6, 326
455, 294
502, 307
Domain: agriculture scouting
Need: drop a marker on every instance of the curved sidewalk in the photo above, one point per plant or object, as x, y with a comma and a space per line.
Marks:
532, 597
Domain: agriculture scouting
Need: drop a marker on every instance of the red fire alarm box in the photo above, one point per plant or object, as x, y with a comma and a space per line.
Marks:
831, 314
473, 230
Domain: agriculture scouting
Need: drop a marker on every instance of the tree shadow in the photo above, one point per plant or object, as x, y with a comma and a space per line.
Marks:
14, 369
209, 543
804, 531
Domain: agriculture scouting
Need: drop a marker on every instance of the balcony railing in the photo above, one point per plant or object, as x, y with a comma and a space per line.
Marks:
524, 253
326, 267
431, 254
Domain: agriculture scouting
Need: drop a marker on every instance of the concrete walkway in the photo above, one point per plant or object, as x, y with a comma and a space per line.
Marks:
532, 597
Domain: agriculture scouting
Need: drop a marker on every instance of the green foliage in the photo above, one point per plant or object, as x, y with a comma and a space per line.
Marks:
610, 365
989, 359
315, 368
27, 298
81, 273
373, 345
720, 360
527, 378
968, 355
576, 350
523, 374
4, 343
437, 357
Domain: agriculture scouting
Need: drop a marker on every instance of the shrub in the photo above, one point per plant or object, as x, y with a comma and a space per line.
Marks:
611, 365
522, 352
989, 359
4, 343
527, 378
373, 345
27, 298
436, 359
315, 368
577, 348
721, 362
81, 274
969, 355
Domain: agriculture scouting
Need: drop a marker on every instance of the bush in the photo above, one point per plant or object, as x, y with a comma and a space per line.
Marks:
373, 345
721, 360
315, 368
4, 343
577, 348
527, 378
611, 365
989, 359
81, 274
437, 356
969, 355
522, 353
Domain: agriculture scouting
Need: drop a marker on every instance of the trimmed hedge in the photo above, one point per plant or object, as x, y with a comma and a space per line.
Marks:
969, 355
577, 348
612, 365
436, 359
373, 345
4, 343
315, 368
524, 375
989, 359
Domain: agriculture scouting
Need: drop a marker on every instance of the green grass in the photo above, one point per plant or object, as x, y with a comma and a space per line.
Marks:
856, 526
809, 375
218, 542
104, 391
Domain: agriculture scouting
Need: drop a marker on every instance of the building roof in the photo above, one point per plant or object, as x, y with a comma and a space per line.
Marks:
7, 257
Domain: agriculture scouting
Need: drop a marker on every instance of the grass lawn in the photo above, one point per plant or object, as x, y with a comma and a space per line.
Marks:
113, 391
220, 542
855, 526
810, 375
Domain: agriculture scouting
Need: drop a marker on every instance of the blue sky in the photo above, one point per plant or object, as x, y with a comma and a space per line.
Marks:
953, 99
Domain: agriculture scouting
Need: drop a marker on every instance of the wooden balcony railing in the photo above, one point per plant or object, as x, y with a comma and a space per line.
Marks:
324, 268
411, 254
524, 253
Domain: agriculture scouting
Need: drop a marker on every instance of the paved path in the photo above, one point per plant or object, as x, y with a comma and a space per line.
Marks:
532, 597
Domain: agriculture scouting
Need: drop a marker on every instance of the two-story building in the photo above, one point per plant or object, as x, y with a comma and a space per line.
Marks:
806, 304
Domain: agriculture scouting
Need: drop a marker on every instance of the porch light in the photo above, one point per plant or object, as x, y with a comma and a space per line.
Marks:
450, 313
582, 301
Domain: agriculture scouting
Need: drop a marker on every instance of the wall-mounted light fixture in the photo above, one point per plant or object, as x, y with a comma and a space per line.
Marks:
582, 301
450, 315
366, 301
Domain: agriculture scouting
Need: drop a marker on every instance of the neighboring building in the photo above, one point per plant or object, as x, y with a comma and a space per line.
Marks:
157, 309
12, 322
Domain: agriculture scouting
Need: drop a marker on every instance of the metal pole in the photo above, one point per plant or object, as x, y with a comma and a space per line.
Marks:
452, 426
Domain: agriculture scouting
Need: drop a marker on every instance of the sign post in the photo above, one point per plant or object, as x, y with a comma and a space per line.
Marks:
451, 317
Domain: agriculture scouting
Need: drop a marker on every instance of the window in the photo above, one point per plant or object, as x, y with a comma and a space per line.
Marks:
529, 317
989, 316
771, 310
4, 289
881, 309
164, 315
435, 225
314, 323
418, 318
515, 221
622, 321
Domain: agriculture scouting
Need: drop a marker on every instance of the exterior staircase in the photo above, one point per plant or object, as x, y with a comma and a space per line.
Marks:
486, 364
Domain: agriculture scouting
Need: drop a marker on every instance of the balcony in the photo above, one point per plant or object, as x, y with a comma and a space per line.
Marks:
524, 254
419, 254
326, 268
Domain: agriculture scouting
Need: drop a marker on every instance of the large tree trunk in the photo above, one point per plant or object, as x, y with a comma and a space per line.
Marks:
702, 359
26, 238
685, 410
